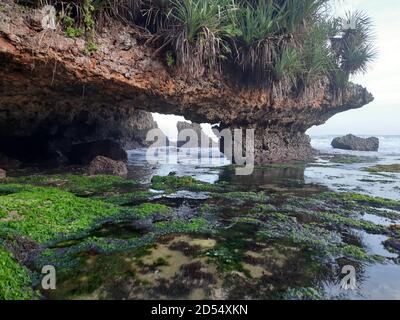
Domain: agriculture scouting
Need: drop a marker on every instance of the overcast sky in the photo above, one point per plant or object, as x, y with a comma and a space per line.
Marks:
383, 79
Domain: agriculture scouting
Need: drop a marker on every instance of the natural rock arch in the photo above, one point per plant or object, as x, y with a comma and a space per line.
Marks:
47, 82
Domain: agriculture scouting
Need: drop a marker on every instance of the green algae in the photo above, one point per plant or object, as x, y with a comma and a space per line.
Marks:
43, 214
195, 225
6, 189
174, 183
129, 198
362, 199
78, 184
146, 210
242, 197
227, 259
391, 168
307, 293
237, 220
351, 159
338, 221
15, 281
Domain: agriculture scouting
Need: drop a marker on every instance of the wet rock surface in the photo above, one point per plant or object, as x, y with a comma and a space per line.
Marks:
272, 235
352, 142
105, 166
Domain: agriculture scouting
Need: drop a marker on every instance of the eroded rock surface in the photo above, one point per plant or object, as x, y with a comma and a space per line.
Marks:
50, 87
105, 166
351, 142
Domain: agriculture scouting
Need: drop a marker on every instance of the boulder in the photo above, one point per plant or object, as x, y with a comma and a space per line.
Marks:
103, 165
351, 142
84, 153
393, 243
3, 174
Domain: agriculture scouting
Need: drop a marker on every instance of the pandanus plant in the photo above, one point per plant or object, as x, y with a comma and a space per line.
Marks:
285, 43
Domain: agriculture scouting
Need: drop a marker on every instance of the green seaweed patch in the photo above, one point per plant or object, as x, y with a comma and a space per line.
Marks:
43, 214
337, 221
6, 189
351, 159
308, 293
390, 168
146, 210
128, 198
354, 252
243, 197
377, 181
78, 184
227, 259
66, 259
290, 165
174, 183
322, 242
362, 199
15, 281
195, 225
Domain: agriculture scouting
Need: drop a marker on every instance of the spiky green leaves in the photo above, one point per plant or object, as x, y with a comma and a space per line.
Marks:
283, 45
354, 48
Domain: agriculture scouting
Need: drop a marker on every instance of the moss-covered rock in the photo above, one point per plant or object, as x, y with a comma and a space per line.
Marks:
391, 168
174, 183
15, 281
43, 214
242, 197
78, 184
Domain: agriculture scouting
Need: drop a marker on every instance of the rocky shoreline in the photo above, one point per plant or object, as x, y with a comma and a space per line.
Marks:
217, 232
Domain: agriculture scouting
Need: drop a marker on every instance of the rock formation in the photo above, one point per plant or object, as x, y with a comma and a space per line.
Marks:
203, 140
351, 142
84, 153
103, 165
3, 174
52, 94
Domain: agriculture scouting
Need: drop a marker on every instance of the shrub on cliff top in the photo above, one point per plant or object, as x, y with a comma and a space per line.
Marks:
285, 45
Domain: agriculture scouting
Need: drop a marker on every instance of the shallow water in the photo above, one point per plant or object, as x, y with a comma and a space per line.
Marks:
234, 262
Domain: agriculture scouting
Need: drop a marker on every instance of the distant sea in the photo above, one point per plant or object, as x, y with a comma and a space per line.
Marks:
389, 145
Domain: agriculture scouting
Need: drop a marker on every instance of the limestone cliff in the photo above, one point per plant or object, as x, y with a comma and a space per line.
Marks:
50, 86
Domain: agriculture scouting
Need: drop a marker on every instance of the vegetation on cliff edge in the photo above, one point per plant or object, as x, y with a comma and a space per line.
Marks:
284, 45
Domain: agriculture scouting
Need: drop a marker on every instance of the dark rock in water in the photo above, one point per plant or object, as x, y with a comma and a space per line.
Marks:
393, 243
103, 165
351, 142
3, 174
84, 153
